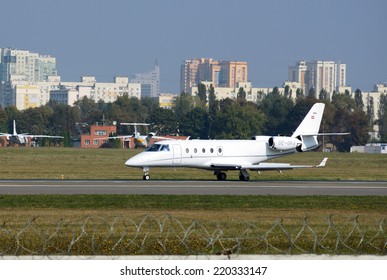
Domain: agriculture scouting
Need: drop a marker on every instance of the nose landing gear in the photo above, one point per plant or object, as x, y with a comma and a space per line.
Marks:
146, 176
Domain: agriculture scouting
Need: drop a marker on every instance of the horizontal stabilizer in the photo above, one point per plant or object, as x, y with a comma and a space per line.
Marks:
327, 134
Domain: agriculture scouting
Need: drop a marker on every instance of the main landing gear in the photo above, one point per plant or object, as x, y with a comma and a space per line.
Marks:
221, 176
243, 175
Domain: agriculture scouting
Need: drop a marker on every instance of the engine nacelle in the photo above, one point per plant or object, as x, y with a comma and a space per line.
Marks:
283, 143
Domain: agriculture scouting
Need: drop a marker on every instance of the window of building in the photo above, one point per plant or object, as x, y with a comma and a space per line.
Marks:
100, 132
87, 142
95, 142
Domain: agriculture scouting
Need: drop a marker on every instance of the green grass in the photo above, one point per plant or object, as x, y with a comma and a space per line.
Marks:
193, 202
74, 163
107, 224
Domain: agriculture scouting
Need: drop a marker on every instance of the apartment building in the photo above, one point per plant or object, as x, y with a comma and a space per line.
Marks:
218, 73
21, 68
252, 94
319, 75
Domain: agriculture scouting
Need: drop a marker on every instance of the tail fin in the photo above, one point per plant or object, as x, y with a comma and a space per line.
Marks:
307, 131
14, 128
311, 123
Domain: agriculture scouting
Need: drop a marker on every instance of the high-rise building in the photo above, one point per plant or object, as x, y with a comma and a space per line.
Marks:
22, 67
33, 66
232, 72
319, 75
150, 82
297, 73
218, 73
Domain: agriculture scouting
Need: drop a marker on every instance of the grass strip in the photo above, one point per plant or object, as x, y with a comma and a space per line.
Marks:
200, 202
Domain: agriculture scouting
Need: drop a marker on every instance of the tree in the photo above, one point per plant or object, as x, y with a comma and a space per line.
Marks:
163, 121
276, 109
383, 118
359, 105
299, 94
323, 95
371, 111
348, 119
213, 108
234, 121
241, 96
312, 92
195, 123
65, 121
202, 94
90, 113
182, 105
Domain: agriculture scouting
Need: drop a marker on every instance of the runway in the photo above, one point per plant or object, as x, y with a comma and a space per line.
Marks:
70, 187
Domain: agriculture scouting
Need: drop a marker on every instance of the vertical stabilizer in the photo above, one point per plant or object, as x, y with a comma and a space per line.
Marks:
14, 128
307, 131
310, 125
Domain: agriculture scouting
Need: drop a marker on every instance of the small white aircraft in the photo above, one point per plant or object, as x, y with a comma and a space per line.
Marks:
223, 155
140, 141
21, 138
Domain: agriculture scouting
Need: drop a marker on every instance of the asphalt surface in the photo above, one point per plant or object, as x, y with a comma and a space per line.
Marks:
68, 187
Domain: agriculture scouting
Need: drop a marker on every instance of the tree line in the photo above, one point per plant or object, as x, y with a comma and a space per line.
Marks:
201, 117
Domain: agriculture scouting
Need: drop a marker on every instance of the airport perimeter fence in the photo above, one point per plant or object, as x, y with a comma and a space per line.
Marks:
168, 235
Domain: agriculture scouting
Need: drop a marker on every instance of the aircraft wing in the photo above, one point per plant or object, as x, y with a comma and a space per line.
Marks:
281, 166
161, 138
114, 137
265, 166
5, 134
40, 136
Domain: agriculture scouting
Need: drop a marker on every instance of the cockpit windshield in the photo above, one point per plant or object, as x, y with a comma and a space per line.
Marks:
158, 147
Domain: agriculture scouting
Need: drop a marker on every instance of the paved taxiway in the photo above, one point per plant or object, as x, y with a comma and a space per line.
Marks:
20, 187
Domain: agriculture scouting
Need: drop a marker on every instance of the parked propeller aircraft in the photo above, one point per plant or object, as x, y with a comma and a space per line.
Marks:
21, 138
140, 141
220, 156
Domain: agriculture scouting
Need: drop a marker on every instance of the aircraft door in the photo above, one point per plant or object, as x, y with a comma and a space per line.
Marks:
176, 154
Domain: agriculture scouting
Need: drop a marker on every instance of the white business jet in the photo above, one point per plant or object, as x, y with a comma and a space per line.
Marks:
223, 155
21, 138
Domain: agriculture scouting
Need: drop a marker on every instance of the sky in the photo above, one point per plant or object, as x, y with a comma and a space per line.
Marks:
124, 37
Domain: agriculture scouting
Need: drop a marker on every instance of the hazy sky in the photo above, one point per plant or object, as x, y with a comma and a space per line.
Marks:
123, 37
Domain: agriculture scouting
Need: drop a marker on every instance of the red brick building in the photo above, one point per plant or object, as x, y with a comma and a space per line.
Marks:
97, 131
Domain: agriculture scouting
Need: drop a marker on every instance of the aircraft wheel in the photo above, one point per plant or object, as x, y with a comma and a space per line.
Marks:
146, 177
244, 178
221, 176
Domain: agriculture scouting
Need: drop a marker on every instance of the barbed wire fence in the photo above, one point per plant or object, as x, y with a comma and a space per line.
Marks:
168, 235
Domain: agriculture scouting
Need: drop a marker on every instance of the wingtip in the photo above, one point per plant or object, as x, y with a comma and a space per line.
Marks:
323, 162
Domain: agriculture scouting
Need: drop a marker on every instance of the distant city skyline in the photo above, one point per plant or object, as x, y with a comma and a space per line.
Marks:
120, 38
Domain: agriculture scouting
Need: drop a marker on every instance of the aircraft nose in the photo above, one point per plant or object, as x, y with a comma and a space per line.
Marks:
133, 162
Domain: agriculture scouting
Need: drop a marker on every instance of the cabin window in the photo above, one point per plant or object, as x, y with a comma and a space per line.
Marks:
187, 150
220, 150
211, 150
154, 148
203, 150
164, 148
195, 150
